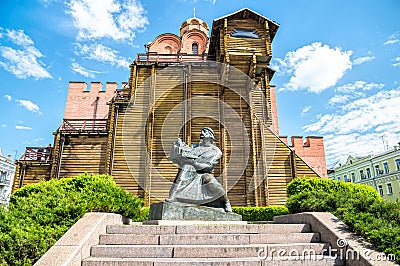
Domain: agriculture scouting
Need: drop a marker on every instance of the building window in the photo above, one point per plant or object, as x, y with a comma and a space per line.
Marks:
195, 48
245, 33
386, 167
368, 173
362, 176
3, 177
377, 170
353, 178
397, 161
389, 188
167, 49
380, 189
345, 178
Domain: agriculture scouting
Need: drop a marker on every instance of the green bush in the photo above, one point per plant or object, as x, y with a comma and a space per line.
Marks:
358, 206
144, 214
248, 213
298, 185
260, 213
39, 214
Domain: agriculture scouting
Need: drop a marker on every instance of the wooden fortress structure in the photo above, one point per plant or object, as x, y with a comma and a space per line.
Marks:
219, 78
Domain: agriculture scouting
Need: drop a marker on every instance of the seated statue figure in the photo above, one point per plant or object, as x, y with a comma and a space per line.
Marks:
194, 182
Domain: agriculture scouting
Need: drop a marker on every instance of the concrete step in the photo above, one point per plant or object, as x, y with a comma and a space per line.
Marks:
208, 239
204, 251
208, 229
284, 261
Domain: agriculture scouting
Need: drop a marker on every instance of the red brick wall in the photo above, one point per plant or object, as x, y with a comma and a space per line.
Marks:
165, 44
171, 44
312, 151
194, 37
274, 110
88, 104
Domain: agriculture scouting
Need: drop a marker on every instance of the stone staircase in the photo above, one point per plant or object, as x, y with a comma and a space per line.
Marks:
210, 244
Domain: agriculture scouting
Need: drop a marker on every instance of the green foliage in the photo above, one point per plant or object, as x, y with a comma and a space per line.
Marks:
359, 206
39, 214
248, 213
144, 215
298, 185
260, 213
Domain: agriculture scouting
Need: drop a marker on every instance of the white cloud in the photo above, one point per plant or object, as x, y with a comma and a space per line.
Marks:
361, 60
339, 147
22, 63
19, 38
315, 67
8, 97
47, 2
29, 106
83, 71
357, 127
101, 53
353, 91
391, 42
338, 99
397, 61
195, 1
305, 110
361, 115
359, 85
22, 127
113, 19
394, 38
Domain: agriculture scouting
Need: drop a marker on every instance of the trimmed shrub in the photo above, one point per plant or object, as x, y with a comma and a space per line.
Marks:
248, 213
144, 215
260, 213
358, 206
39, 214
304, 184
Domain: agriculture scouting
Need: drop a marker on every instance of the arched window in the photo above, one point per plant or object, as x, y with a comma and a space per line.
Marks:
167, 49
195, 48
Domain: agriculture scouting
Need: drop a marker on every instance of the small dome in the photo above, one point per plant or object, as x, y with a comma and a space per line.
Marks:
193, 23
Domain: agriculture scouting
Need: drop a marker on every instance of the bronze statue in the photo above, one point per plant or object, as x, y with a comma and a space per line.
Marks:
194, 182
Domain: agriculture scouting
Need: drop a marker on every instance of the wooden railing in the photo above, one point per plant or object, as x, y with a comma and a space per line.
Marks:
37, 154
154, 57
84, 124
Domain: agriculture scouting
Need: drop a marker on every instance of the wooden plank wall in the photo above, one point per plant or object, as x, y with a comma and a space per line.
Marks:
246, 46
204, 110
83, 153
30, 172
167, 116
130, 155
239, 190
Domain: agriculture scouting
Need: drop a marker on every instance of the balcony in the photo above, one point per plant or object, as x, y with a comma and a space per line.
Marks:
83, 125
169, 58
37, 154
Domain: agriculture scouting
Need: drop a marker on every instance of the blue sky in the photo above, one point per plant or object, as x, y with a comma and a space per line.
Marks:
337, 62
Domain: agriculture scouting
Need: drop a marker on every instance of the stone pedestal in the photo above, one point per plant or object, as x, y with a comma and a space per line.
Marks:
188, 212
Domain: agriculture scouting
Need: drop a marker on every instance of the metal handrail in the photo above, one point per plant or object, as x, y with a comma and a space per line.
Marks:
84, 124
154, 57
37, 154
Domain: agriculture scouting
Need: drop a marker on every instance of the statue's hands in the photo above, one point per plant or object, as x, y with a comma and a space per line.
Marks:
187, 161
